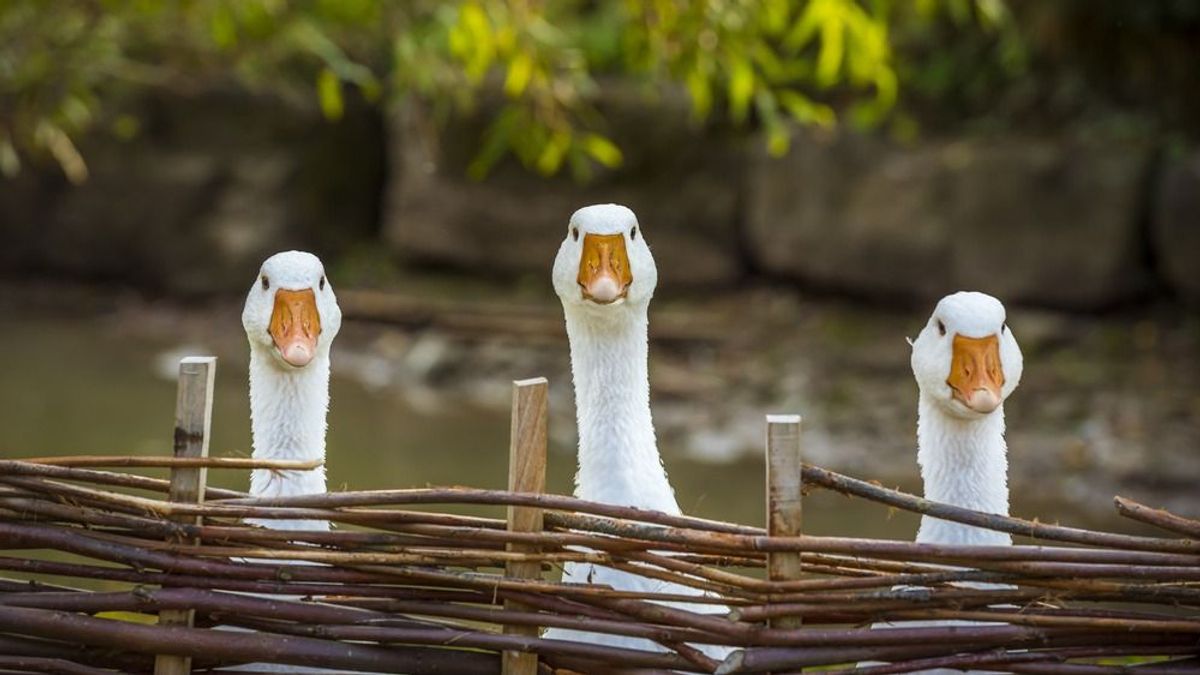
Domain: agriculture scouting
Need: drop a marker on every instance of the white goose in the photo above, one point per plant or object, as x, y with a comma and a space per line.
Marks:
966, 362
291, 318
605, 276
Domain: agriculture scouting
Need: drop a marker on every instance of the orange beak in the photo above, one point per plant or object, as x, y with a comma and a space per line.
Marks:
604, 273
295, 325
976, 376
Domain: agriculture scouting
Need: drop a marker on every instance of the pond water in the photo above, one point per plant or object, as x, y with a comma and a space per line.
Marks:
91, 386
77, 387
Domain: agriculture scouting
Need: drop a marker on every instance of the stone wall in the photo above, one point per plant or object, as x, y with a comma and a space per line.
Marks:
216, 182
1065, 223
1029, 220
194, 202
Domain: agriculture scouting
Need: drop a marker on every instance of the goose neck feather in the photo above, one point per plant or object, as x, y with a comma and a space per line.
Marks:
618, 453
287, 413
964, 462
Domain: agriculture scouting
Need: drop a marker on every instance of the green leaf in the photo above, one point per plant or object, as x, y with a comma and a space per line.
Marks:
552, 154
775, 16
992, 13
125, 126
700, 91
520, 69
959, 10
804, 110
779, 140
329, 93
829, 60
497, 141
805, 28
222, 28
741, 87
602, 150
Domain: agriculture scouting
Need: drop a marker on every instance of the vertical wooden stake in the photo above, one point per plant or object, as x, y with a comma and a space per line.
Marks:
783, 500
526, 473
193, 420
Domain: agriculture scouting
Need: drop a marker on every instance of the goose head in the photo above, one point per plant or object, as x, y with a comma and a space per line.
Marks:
604, 263
966, 359
291, 312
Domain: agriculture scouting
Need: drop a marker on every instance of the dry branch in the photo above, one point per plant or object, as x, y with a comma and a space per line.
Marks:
432, 581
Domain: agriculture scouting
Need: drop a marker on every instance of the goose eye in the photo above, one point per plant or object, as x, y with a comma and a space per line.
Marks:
322, 283
575, 233
633, 233
1004, 327
265, 284
941, 327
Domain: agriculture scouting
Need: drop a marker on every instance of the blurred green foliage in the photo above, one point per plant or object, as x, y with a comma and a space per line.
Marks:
67, 66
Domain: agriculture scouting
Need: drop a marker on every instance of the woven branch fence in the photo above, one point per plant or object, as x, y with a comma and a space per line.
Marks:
394, 588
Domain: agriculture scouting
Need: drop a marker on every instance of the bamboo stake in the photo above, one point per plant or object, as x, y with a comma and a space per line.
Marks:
526, 473
193, 422
784, 501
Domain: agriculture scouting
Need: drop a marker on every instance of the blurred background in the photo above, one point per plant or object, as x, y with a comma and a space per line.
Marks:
812, 175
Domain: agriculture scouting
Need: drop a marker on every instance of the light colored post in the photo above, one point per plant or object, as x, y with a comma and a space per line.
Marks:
193, 421
784, 500
526, 473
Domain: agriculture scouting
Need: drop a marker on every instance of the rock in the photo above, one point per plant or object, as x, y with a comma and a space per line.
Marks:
210, 186
682, 182
1176, 227
1050, 223
850, 213
1054, 224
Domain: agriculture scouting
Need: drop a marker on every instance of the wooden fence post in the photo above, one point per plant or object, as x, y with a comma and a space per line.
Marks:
526, 473
784, 512
193, 420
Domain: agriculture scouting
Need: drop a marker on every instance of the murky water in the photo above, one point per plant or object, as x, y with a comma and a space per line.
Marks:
92, 385
78, 387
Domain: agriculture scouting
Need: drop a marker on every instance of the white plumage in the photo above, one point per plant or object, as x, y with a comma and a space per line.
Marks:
291, 317
288, 403
966, 363
962, 452
606, 294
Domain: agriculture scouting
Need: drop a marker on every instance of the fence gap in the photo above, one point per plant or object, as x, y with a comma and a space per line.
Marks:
193, 421
526, 473
784, 508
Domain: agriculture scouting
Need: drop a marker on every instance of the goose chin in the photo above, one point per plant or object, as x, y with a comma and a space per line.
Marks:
604, 290
982, 401
977, 404
620, 300
296, 354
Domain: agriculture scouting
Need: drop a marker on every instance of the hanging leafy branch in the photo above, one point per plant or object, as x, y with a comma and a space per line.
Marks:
66, 67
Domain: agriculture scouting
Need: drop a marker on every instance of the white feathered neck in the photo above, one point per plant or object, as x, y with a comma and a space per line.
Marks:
964, 462
618, 453
288, 420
